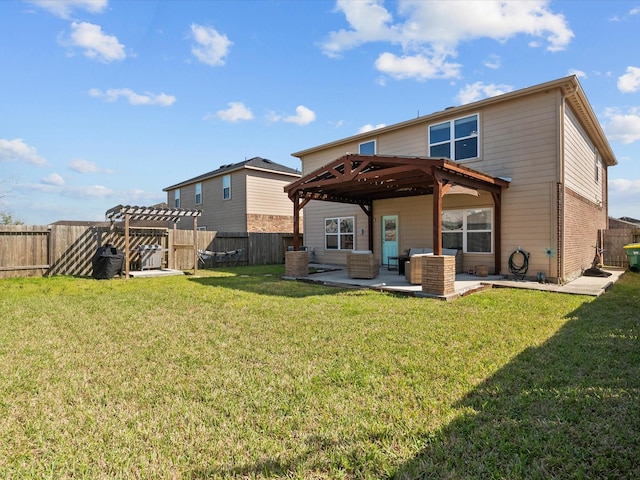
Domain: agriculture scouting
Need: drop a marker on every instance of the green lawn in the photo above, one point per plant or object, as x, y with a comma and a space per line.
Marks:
239, 374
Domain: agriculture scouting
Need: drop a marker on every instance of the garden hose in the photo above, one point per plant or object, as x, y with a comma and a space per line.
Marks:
519, 269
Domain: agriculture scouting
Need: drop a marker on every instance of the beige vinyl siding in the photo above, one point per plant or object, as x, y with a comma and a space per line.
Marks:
224, 215
415, 221
265, 194
580, 160
520, 141
411, 141
314, 230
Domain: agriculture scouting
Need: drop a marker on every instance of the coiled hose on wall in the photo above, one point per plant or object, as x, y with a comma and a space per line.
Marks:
519, 269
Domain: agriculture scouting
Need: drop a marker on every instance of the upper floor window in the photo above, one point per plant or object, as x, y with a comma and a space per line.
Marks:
338, 233
198, 194
456, 139
226, 187
468, 230
367, 148
176, 198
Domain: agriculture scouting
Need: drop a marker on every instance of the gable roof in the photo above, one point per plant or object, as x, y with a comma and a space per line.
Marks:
569, 86
255, 163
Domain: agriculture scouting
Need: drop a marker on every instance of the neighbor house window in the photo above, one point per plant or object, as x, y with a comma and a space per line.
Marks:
176, 198
367, 148
468, 230
456, 139
338, 233
198, 194
226, 187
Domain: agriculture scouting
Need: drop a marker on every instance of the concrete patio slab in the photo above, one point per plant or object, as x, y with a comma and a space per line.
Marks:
391, 281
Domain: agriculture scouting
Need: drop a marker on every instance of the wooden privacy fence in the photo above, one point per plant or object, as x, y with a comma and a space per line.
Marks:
28, 251
614, 241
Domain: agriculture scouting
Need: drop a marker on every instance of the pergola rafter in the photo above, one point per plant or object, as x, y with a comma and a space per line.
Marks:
362, 179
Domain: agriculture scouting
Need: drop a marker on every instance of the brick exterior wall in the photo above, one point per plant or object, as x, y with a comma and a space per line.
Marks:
582, 221
270, 223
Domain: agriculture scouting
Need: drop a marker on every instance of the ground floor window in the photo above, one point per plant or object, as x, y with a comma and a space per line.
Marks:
338, 233
469, 230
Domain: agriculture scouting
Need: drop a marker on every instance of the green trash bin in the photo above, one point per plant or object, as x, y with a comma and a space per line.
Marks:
633, 252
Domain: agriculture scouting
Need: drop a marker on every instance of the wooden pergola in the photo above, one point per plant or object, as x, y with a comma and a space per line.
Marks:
362, 179
128, 213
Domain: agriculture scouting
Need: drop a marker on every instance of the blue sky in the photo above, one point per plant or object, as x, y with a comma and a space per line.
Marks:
108, 102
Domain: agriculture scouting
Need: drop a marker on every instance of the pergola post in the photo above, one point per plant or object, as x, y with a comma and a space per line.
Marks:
195, 245
127, 245
437, 215
296, 224
497, 221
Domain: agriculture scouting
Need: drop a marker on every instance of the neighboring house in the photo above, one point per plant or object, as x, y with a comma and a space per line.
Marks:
623, 222
240, 197
533, 164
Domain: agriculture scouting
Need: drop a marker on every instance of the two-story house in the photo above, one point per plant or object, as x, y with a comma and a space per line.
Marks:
240, 197
526, 170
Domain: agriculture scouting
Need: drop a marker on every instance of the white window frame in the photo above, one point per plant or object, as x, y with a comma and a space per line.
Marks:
198, 195
452, 138
226, 187
176, 198
465, 230
341, 236
375, 147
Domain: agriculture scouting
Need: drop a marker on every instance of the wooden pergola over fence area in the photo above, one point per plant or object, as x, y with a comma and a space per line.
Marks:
159, 214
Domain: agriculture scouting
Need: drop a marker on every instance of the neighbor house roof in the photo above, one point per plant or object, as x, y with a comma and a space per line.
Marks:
570, 87
255, 163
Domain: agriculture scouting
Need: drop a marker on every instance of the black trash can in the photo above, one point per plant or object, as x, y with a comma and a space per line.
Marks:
107, 262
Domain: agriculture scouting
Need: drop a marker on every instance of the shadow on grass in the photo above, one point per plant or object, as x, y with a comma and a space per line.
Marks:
262, 280
567, 409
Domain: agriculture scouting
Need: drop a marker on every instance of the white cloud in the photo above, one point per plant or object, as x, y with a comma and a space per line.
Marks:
418, 67
17, 150
53, 179
369, 127
630, 81
96, 44
80, 165
577, 73
134, 98
237, 111
211, 47
479, 90
622, 126
88, 192
64, 8
621, 185
369, 23
429, 32
303, 116
493, 62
